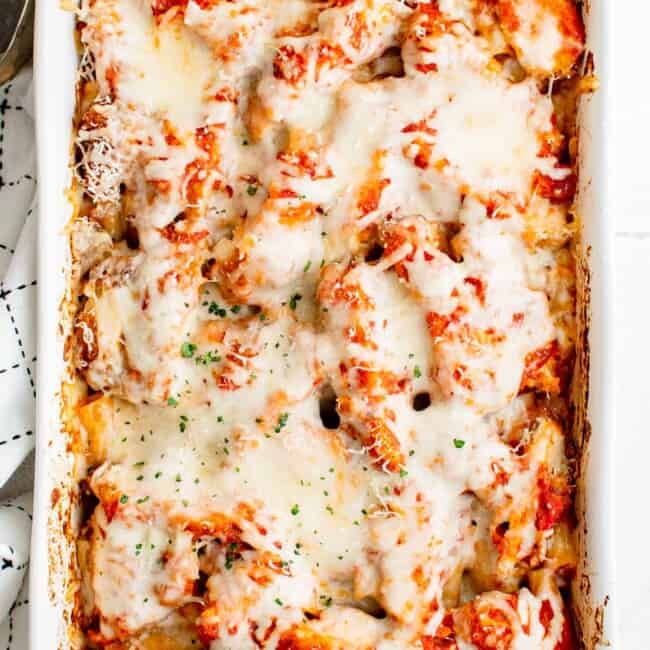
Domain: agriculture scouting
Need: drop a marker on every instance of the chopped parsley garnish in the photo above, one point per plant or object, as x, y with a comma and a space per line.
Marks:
142, 500
403, 472
282, 422
231, 555
326, 600
307, 266
458, 443
157, 475
216, 310
329, 509
278, 602
295, 509
188, 349
208, 357
252, 190
417, 373
124, 499
293, 302
235, 309
182, 425
172, 401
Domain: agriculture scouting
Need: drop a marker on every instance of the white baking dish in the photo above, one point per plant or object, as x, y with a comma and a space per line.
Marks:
52, 567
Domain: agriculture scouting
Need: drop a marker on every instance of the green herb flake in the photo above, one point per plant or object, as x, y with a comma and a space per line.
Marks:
417, 373
458, 443
124, 499
295, 509
279, 602
188, 349
293, 302
307, 267
251, 190
216, 310
282, 422
172, 401
403, 472
208, 357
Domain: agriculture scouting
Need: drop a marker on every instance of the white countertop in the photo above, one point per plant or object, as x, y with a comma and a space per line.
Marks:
633, 438
629, 99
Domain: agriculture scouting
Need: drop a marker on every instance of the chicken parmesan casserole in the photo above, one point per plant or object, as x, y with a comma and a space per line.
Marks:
324, 323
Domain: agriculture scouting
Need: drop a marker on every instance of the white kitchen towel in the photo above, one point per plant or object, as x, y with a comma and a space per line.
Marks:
17, 345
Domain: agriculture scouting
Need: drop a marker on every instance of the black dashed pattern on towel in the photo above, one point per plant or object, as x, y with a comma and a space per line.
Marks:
17, 343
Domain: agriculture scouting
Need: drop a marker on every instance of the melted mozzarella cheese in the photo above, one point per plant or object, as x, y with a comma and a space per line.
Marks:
321, 437
166, 72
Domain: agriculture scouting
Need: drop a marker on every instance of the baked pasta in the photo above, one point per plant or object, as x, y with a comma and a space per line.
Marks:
324, 323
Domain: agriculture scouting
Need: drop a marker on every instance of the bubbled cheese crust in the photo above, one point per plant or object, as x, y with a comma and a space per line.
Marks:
327, 301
